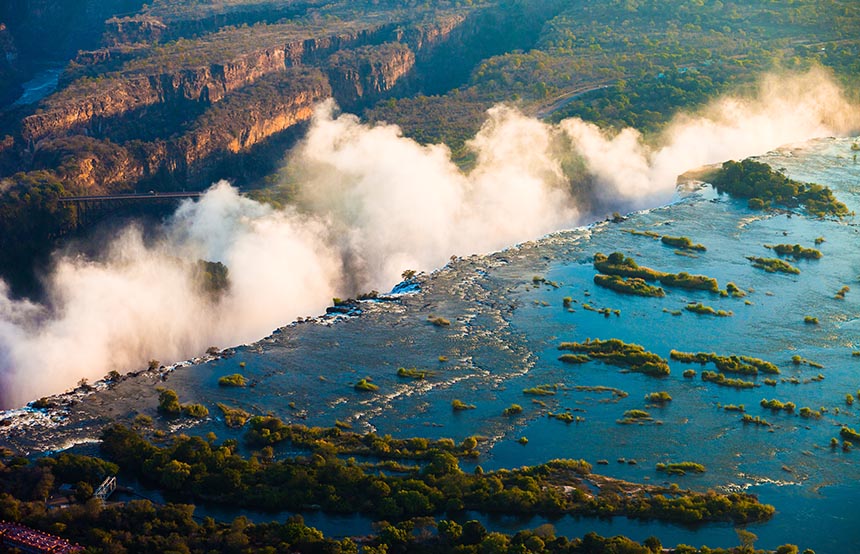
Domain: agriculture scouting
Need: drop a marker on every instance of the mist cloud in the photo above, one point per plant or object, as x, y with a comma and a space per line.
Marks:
370, 204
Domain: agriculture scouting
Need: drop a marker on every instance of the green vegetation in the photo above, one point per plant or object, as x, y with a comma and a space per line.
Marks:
840, 295
849, 434
541, 390
438, 321
206, 470
413, 373
235, 380
809, 413
364, 385
734, 290
728, 364
682, 242
693, 282
765, 187
513, 409
810, 320
617, 393
566, 417
458, 405
723, 381
680, 468
734, 408
798, 360
615, 352
169, 406
773, 265
796, 251
574, 358
636, 232
658, 397
632, 285
635, 416
233, 417
618, 265
775, 405
622, 266
757, 420
701, 309
689, 373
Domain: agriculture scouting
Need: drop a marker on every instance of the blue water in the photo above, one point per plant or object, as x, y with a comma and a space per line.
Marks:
504, 335
41, 85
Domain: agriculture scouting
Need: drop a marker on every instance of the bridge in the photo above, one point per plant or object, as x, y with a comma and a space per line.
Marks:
105, 489
92, 208
136, 196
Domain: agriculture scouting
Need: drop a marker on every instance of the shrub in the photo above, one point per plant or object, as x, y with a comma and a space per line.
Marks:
513, 409
234, 380
195, 410
365, 385
458, 405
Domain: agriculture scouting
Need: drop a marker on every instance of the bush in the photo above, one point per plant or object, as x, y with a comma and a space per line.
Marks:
234, 380
513, 409
458, 405
365, 385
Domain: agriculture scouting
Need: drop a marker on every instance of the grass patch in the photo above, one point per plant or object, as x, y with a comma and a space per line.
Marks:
680, 468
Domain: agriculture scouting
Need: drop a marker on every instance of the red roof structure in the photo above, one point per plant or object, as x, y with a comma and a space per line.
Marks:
26, 539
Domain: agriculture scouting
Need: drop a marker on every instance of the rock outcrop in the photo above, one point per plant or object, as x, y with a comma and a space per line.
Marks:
367, 73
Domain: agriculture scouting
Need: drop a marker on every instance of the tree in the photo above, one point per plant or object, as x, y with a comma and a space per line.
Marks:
747, 539
168, 403
83, 491
450, 531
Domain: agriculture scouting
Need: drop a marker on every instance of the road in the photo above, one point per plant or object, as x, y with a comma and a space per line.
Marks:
563, 100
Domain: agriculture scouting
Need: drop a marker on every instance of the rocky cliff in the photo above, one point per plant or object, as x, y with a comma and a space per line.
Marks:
90, 104
83, 105
9, 86
244, 120
366, 74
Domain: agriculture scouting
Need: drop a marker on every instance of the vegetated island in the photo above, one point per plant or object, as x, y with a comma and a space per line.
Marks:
728, 364
620, 265
795, 251
684, 243
773, 265
630, 285
618, 353
765, 188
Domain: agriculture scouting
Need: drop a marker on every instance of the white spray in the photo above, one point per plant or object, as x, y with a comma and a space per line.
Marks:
371, 204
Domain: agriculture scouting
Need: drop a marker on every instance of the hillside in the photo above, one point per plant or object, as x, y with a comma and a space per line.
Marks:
174, 95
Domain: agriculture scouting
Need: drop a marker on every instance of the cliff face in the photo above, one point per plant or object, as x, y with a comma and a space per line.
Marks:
76, 111
122, 96
218, 110
248, 118
365, 74
9, 86
151, 27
